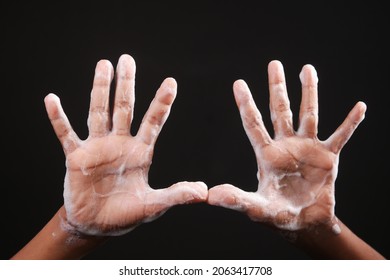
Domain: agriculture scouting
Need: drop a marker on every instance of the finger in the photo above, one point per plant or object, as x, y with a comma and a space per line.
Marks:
124, 95
65, 133
308, 114
99, 116
158, 112
250, 115
159, 201
281, 114
342, 134
231, 197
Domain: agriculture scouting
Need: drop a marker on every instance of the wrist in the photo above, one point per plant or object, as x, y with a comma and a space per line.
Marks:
56, 241
315, 238
327, 241
72, 236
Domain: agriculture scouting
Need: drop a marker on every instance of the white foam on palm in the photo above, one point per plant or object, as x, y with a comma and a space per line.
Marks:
75, 227
275, 198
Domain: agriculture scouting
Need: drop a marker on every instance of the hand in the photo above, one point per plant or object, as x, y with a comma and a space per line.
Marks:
296, 170
106, 190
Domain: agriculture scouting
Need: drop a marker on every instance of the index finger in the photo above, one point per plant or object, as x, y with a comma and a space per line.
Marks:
62, 127
158, 112
342, 134
250, 115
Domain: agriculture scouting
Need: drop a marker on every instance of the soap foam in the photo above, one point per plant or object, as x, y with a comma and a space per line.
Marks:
336, 229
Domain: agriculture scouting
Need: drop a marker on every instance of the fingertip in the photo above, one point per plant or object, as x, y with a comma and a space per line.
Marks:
170, 83
52, 104
191, 192
308, 75
308, 67
103, 63
104, 67
125, 62
226, 196
168, 91
275, 64
202, 190
275, 72
126, 58
362, 106
214, 196
240, 85
51, 97
202, 185
241, 91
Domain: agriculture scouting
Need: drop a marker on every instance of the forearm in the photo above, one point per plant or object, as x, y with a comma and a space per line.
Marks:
325, 244
55, 242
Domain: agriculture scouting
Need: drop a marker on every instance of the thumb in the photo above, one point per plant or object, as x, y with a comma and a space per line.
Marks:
231, 197
160, 200
184, 193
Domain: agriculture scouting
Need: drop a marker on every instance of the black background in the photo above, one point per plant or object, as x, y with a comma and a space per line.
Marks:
205, 46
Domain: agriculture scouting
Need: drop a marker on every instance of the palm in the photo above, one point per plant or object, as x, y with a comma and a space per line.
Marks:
106, 174
296, 170
106, 189
297, 174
